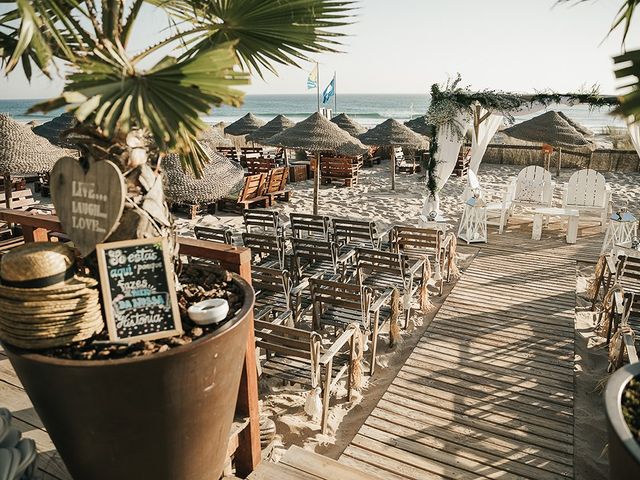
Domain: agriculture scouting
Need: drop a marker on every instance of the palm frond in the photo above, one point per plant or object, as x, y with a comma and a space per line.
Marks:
267, 33
628, 67
624, 15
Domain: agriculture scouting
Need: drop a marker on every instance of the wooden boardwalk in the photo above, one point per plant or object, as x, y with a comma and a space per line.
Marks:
488, 391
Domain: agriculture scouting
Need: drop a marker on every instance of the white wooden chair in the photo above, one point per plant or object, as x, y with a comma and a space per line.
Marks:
587, 191
532, 188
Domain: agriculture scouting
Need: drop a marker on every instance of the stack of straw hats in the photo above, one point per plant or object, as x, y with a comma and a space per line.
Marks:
43, 303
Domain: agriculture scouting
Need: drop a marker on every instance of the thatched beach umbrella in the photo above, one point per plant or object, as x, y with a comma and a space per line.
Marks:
317, 134
273, 127
393, 134
348, 124
245, 125
53, 130
578, 126
553, 129
220, 176
22, 151
213, 137
421, 126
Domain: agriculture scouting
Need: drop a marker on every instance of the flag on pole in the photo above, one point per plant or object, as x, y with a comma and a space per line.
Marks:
329, 91
312, 79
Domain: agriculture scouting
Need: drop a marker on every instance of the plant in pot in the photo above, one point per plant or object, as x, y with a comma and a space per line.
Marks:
622, 403
162, 408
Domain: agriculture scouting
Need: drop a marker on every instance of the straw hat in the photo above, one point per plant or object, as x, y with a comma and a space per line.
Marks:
244, 125
43, 303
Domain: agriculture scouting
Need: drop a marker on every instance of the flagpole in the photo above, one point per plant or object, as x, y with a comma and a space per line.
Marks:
335, 94
318, 85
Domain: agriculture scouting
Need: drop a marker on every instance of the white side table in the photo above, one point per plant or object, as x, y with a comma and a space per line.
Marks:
621, 230
572, 221
473, 224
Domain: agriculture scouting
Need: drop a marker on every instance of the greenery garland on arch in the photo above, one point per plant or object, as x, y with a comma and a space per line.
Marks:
451, 99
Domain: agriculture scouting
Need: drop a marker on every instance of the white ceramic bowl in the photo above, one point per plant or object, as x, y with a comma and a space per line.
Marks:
209, 311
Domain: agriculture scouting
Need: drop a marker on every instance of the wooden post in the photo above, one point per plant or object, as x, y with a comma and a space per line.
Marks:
316, 184
559, 162
7, 193
393, 168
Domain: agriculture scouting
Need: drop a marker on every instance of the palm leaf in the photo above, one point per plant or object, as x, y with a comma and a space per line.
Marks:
628, 67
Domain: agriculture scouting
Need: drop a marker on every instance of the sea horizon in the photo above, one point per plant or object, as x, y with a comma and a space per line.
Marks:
369, 109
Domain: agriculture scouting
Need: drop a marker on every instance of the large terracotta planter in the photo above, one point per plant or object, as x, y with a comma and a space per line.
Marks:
624, 451
166, 416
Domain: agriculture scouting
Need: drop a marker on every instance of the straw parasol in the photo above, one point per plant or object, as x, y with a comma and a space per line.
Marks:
578, 126
22, 151
392, 133
317, 134
220, 176
273, 127
553, 129
421, 126
247, 124
53, 129
349, 125
213, 137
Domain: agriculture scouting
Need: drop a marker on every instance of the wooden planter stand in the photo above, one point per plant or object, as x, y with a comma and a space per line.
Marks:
244, 441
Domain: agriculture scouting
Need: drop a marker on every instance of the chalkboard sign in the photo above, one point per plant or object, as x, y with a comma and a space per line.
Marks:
138, 290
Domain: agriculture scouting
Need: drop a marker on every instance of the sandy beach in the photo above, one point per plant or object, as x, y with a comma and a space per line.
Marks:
373, 199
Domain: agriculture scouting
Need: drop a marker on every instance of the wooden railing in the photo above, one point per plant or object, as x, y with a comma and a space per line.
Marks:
37, 228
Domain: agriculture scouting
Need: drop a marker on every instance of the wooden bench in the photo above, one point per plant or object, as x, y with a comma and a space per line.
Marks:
340, 304
257, 164
251, 193
423, 243
463, 161
20, 199
276, 185
406, 164
306, 225
304, 358
341, 169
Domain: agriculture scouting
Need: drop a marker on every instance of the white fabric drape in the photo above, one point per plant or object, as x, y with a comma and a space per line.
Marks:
448, 148
634, 132
486, 130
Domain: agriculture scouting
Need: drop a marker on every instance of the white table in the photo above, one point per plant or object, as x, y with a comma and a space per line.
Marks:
572, 221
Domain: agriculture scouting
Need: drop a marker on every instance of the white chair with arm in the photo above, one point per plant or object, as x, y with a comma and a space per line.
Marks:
532, 188
587, 191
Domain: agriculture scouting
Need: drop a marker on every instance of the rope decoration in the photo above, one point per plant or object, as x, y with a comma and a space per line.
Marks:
394, 326
603, 326
616, 347
356, 360
599, 273
454, 271
425, 301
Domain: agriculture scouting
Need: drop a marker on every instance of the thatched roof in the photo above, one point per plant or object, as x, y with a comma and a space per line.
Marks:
53, 129
317, 134
578, 126
22, 151
420, 125
392, 132
551, 128
247, 124
219, 178
349, 125
273, 127
213, 137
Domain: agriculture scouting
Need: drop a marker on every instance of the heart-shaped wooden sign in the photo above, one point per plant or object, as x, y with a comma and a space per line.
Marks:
89, 204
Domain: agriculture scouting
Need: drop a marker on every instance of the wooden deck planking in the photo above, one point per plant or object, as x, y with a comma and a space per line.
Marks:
488, 390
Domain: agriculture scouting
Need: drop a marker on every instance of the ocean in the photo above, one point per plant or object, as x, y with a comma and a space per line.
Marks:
367, 109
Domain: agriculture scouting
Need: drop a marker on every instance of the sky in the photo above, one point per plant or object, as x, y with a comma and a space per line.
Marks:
404, 46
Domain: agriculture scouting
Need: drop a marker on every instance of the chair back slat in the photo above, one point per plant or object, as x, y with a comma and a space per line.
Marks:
263, 246
416, 241
532, 185
262, 221
586, 188
355, 232
253, 187
309, 226
218, 235
287, 341
277, 179
374, 261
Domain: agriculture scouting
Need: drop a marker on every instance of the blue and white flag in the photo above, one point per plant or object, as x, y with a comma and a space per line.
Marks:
312, 79
329, 91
